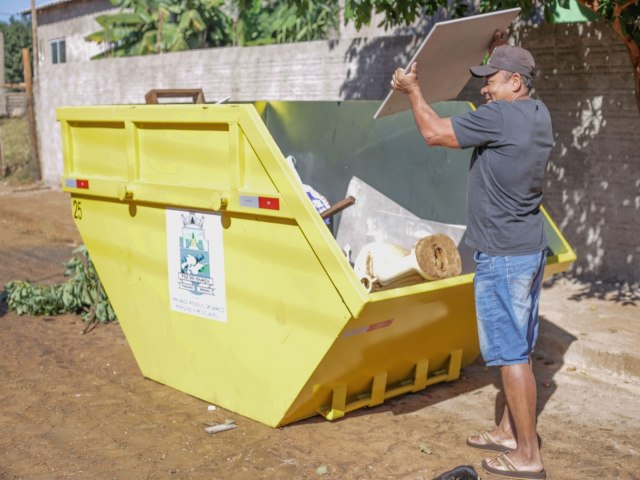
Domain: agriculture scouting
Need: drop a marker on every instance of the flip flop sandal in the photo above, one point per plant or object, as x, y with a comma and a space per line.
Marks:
489, 444
510, 470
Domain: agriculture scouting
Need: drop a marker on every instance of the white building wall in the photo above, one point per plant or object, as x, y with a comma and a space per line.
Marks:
73, 31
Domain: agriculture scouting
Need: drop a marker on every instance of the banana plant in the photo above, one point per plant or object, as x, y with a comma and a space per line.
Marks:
260, 22
156, 26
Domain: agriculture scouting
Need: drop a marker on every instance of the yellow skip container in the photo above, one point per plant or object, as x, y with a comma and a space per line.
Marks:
228, 284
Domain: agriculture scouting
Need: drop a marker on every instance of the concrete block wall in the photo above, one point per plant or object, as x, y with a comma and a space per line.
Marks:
593, 182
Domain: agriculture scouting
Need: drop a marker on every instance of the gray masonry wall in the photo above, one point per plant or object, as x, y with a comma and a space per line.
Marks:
593, 182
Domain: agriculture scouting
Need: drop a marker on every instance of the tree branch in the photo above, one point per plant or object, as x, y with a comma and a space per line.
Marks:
627, 4
632, 47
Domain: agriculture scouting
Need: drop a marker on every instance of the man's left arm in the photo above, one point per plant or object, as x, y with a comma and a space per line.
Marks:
436, 131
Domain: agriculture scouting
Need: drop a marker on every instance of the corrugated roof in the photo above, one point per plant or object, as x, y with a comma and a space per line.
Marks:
53, 3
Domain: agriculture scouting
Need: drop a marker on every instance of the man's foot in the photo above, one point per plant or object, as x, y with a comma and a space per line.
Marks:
485, 441
503, 466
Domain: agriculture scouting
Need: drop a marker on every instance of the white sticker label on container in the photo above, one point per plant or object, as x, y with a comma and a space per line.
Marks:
195, 258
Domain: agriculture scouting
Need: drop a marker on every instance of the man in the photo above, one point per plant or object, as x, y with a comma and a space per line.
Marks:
512, 137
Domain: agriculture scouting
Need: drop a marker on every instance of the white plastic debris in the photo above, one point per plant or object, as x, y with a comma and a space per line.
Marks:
220, 428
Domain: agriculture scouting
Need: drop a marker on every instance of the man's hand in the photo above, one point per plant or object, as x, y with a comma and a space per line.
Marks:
406, 82
500, 37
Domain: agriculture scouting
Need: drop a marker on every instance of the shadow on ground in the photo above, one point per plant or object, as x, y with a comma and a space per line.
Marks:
623, 293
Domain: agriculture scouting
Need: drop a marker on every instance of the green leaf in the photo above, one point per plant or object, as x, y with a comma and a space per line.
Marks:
119, 19
192, 20
78, 295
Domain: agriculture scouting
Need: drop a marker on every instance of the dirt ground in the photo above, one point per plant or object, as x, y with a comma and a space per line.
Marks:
76, 406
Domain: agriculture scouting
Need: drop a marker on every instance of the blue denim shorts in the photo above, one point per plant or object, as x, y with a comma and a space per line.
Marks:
507, 293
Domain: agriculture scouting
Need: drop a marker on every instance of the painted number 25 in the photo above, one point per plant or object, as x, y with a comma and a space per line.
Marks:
77, 209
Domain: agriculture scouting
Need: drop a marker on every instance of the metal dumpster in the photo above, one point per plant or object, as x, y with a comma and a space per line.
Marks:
228, 284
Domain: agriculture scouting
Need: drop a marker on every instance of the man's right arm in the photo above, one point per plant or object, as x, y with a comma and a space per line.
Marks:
436, 131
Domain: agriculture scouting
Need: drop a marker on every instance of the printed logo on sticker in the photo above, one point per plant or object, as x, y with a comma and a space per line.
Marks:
195, 271
195, 261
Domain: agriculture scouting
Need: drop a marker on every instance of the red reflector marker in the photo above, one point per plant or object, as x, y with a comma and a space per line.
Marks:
269, 203
82, 183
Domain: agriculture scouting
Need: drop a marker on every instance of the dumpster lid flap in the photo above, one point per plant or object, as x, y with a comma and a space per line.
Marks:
445, 56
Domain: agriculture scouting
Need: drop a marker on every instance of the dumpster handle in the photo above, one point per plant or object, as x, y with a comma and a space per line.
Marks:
196, 94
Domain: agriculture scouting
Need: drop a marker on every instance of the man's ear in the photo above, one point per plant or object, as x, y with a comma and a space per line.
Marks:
516, 82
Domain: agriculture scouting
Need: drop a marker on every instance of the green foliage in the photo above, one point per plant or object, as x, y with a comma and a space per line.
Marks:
526, 5
262, 23
311, 21
153, 26
17, 35
397, 13
82, 293
629, 17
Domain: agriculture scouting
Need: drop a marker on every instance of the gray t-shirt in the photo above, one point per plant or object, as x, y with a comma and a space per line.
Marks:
512, 143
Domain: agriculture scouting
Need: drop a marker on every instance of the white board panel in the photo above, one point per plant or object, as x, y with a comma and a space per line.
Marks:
444, 57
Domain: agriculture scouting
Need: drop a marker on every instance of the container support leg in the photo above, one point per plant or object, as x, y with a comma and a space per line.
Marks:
455, 362
379, 392
338, 404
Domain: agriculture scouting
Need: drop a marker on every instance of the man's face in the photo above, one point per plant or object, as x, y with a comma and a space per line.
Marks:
498, 86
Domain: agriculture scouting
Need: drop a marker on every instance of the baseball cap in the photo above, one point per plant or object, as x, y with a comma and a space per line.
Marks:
509, 58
